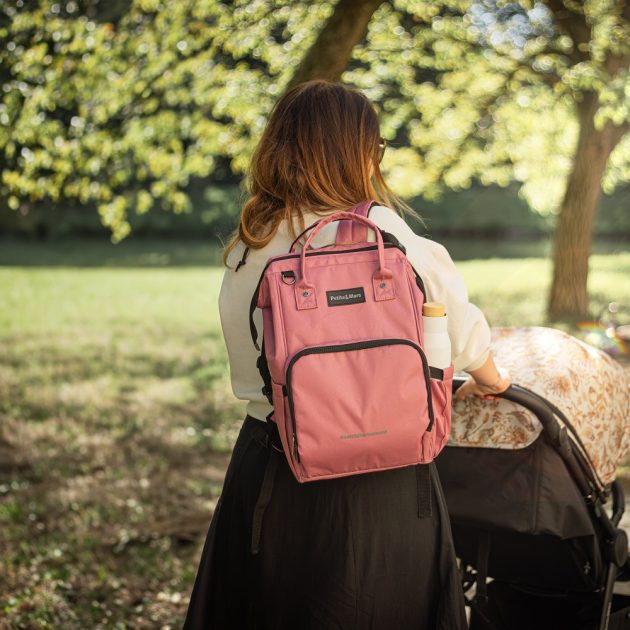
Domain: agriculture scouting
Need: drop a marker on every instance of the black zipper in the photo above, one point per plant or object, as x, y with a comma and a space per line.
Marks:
356, 345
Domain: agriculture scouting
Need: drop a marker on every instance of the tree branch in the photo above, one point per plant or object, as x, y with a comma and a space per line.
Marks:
572, 24
328, 57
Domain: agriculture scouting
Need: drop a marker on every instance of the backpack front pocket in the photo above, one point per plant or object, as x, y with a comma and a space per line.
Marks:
357, 407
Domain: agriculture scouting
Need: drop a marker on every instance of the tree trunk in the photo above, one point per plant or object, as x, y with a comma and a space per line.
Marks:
568, 298
329, 55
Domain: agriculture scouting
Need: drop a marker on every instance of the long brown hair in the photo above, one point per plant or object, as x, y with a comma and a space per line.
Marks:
315, 154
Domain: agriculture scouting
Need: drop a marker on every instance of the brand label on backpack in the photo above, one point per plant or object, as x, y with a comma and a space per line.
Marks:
345, 296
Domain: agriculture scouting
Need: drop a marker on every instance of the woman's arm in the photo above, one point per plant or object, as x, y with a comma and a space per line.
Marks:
468, 329
485, 381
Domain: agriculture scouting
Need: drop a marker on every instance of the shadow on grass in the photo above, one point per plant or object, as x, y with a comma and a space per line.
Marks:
112, 462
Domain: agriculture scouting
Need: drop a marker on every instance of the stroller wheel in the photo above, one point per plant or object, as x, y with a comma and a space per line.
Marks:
624, 572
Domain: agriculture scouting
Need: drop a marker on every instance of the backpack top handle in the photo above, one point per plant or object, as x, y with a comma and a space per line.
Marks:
305, 295
348, 230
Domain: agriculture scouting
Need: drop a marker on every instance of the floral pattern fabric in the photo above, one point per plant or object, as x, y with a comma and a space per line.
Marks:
587, 385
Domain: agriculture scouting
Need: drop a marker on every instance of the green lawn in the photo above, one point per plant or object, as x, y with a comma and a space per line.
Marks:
116, 419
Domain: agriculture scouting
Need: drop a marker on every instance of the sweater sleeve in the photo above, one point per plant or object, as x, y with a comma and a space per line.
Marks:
467, 326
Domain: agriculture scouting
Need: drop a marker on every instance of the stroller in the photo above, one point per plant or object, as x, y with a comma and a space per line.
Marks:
532, 495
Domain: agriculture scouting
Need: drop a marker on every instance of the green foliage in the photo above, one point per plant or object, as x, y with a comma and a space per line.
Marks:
485, 212
215, 214
121, 108
123, 115
486, 91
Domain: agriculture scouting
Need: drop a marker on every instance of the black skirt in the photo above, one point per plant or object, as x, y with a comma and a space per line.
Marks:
371, 551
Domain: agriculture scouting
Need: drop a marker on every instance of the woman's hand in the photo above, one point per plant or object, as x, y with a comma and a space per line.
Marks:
478, 386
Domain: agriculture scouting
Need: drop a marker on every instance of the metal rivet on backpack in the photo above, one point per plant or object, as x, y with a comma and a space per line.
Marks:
383, 285
305, 293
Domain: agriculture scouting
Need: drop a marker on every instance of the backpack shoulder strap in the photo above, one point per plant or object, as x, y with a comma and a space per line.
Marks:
353, 231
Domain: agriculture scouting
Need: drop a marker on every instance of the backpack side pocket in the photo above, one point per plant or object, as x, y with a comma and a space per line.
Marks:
442, 395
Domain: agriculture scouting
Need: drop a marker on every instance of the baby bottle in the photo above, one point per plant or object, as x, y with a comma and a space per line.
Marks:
437, 345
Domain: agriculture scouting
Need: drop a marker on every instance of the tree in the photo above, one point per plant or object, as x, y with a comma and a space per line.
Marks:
123, 109
120, 107
607, 58
329, 55
574, 59
491, 83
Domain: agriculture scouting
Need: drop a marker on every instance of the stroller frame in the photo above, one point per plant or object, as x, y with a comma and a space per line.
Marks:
558, 432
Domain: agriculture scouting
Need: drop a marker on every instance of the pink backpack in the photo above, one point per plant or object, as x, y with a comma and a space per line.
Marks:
342, 355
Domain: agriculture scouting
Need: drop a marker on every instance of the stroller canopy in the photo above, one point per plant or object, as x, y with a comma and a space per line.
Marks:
588, 386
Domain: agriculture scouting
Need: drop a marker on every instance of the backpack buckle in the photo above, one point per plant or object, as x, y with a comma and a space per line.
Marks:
288, 277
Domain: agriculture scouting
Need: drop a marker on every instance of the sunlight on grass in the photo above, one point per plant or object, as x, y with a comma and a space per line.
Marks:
52, 300
513, 292
117, 417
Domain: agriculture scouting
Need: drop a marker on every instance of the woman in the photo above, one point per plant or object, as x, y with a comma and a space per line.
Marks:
359, 552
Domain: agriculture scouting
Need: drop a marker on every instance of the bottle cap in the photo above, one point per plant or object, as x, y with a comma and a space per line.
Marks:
433, 309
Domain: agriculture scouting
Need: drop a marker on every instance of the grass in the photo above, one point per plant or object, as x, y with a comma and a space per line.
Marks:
513, 292
116, 419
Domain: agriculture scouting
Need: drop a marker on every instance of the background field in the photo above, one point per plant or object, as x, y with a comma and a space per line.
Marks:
117, 416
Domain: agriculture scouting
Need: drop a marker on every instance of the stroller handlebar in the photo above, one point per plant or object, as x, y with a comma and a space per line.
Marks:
528, 399
572, 451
